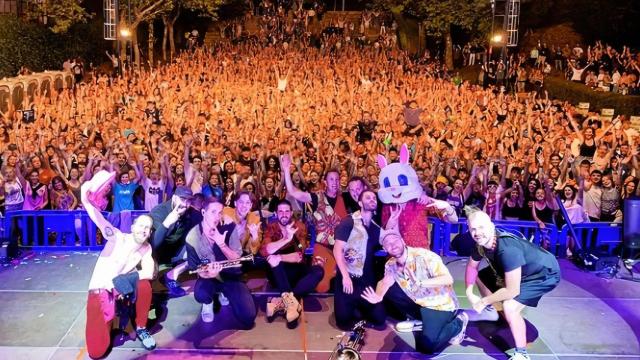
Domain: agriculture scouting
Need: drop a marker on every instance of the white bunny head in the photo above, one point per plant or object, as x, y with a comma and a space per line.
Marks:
398, 181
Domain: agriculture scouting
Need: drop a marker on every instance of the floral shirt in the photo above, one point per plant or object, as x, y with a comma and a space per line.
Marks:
422, 264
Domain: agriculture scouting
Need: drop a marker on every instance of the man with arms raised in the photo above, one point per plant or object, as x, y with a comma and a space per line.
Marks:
328, 208
115, 276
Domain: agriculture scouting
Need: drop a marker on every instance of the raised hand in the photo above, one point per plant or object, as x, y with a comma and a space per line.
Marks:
291, 231
217, 237
396, 211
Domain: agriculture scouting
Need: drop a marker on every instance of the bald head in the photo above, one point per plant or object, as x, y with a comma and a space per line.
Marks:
481, 228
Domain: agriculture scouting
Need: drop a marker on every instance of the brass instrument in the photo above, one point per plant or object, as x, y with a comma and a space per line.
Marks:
350, 344
225, 264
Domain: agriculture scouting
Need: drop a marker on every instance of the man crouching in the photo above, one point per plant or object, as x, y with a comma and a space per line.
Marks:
115, 277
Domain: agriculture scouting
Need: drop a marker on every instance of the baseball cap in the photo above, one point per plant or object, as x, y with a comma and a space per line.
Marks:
183, 192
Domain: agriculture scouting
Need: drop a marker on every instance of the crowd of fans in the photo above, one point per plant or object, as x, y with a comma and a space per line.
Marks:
599, 66
217, 121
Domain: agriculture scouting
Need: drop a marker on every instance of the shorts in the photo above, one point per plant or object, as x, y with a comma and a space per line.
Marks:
531, 291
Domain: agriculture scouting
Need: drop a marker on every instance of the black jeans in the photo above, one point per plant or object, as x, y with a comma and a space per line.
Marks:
438, 327
240, 299
305, 278
351, 308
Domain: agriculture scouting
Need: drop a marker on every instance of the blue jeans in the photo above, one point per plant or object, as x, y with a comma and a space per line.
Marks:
240, 299
438, 327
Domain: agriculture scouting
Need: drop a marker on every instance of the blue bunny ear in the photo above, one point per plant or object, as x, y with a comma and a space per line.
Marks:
382, 161
404, 154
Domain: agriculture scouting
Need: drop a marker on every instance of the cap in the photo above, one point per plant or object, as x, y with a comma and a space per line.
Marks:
442, 179
384, 233
183, 192
128, 132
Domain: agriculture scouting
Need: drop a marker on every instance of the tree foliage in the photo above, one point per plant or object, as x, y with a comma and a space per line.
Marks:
38, 48
59, 15
438, 16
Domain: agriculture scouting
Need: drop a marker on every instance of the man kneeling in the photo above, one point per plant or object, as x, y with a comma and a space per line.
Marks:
115, 276
417, 282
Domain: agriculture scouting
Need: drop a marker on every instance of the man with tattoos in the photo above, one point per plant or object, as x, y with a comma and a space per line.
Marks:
115, 276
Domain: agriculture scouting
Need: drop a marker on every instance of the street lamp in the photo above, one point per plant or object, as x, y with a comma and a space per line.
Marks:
125, 32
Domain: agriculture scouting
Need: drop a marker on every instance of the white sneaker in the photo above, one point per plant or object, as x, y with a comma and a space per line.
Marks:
224, 301
519, 356
457, 340
488, 314
409, 326
207, 313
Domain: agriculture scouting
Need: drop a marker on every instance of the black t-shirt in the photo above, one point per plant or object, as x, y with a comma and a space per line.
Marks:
350, 204
512, 252
343, 230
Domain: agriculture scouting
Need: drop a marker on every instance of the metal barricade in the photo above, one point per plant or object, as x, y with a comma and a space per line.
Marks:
73, 230
443, 233
594, 235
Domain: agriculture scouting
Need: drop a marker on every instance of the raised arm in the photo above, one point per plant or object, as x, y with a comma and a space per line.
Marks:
90, 189
302, 196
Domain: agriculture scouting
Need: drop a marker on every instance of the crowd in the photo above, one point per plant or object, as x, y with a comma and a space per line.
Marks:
599, 66
217, 122
287, 130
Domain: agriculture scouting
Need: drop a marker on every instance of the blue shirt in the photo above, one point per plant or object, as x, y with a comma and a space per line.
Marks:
123, 196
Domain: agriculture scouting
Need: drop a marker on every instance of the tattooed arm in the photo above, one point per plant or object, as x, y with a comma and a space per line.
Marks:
108, 231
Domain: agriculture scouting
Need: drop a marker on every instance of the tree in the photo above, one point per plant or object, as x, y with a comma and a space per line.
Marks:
438, 16
141, 11
59, 15
169, 17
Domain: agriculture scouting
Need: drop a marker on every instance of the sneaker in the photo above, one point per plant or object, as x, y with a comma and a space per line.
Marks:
148, 342
274, 306
409, 326
489, 313
519, 356
174, 288
457, 340
224, 301
293, 307
207, 313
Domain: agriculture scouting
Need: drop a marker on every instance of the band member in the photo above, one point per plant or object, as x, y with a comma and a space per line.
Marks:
356, 242
417, 282
247, 228
283, 246
518, 275
172, 221
116, 265
328, 208
208, 244
400, 186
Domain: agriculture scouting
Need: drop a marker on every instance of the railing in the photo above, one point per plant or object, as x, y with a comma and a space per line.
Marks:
73, 230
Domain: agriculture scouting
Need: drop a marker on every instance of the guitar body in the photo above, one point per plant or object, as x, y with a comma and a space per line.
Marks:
322, 255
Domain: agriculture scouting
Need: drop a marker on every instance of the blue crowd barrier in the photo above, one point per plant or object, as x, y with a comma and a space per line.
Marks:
600, 235
67, 230
443, 233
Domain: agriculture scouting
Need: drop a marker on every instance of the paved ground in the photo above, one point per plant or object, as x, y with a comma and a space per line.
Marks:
42, 316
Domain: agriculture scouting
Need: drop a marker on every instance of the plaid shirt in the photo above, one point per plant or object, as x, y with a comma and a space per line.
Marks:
273, 233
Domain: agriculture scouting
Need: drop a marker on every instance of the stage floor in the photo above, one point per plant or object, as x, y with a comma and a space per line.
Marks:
43, 298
